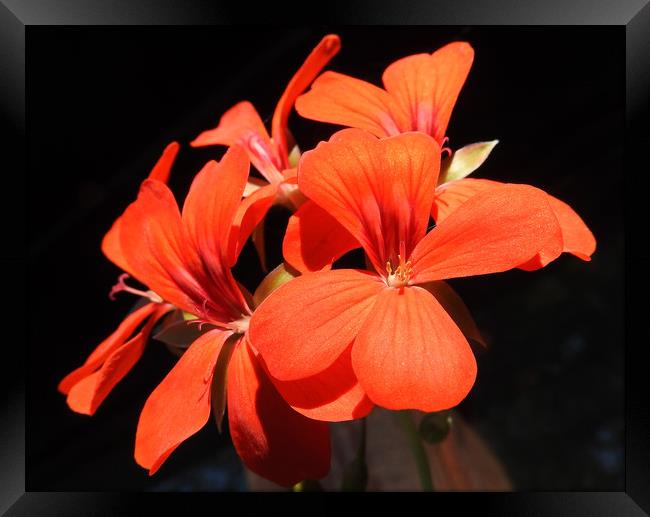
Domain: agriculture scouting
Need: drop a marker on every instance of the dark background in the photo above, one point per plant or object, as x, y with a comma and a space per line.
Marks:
103, 103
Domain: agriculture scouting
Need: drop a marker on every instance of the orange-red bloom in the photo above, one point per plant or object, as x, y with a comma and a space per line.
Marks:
185, 258
88, 386
404, 348
420, 94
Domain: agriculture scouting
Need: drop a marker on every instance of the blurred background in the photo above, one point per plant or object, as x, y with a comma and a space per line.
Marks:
104, 102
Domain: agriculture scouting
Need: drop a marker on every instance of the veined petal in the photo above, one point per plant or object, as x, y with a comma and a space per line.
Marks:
449, 196
272, 439
344, 100
334, 394
155, 246
409, 354
314, 239
242, 125
180, 405
213, 200
576, 236
209, 213
493, 231
307, 323
427, 86
380, 190
249, 214
326, 49
123, 332
87, 394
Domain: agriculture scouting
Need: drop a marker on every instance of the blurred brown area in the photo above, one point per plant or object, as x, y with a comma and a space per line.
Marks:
463, 461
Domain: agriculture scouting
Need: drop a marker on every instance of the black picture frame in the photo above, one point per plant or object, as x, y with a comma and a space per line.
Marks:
634, 15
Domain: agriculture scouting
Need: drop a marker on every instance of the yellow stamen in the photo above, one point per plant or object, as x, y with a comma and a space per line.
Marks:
402, 274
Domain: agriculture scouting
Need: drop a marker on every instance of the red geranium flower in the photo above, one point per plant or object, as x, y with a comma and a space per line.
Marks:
420, 93
185, 260
270, 155
404, 348
88, 386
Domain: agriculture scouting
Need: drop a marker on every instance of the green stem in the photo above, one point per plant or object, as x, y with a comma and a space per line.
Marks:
418, 450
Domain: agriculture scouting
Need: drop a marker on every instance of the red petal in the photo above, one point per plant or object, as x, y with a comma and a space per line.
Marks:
456, 308
180, 405
87, 395
491, 232
242, 125
578, 239
409, 354
249, 214
344, 100
271, 438
163, 166
427, 86
106, 347
111, 246
303, 326
380, 190
333, 395
449, 196
153, 240
326, 49
314, 239
576, 236
213, 200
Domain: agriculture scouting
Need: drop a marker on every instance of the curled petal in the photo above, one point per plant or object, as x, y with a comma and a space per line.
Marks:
123, 332
87, 395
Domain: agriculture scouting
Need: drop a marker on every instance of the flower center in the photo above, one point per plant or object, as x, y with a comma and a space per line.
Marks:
121, 286
401, 275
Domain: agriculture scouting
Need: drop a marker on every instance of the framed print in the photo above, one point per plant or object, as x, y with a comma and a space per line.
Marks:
384, 252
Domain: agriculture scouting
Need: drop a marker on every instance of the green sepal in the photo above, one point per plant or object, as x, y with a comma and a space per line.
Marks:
465, 161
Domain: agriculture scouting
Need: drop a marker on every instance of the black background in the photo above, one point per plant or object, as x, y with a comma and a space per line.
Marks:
104, 102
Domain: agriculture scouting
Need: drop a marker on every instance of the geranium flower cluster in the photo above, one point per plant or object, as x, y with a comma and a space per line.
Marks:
314, 344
